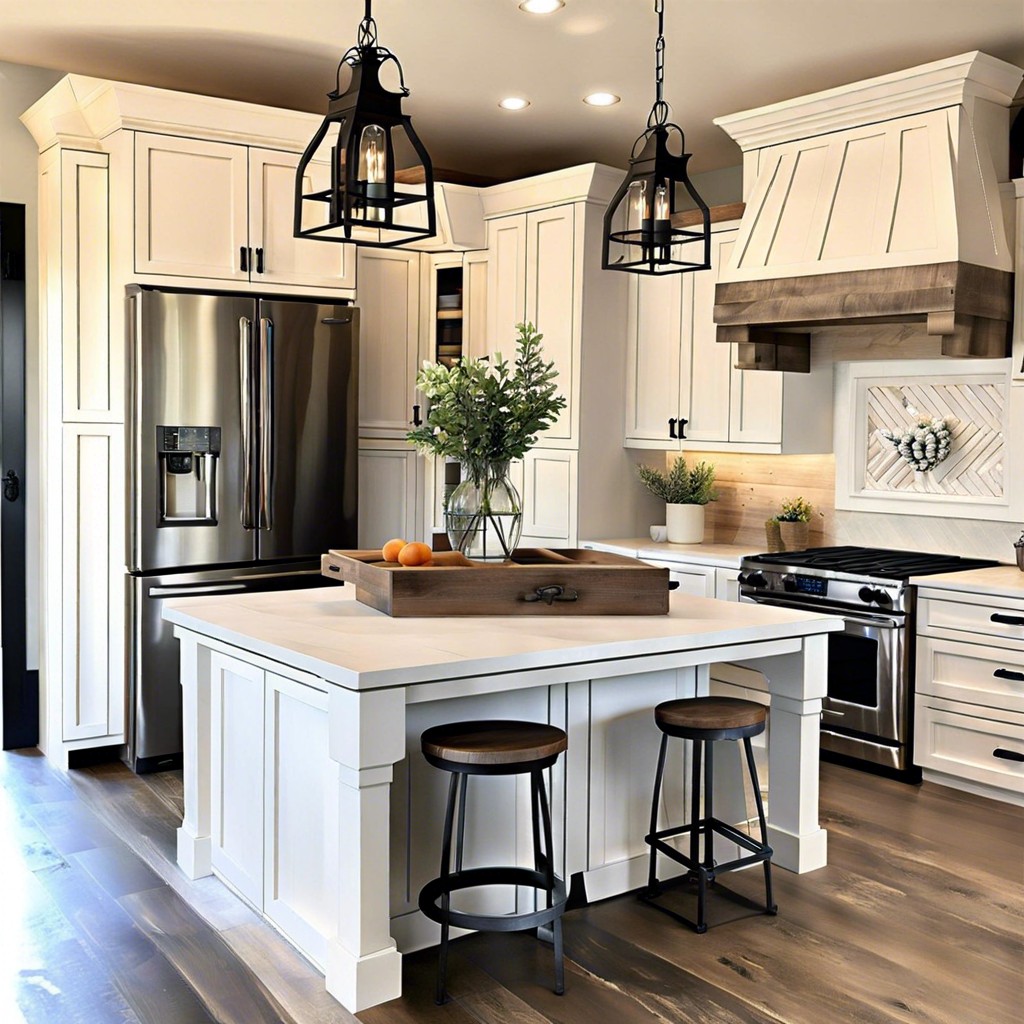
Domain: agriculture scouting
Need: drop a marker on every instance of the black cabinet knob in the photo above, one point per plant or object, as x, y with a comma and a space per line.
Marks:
12, 486
753, 579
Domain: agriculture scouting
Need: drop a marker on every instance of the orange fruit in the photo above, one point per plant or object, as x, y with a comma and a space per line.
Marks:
415, 553
391, 549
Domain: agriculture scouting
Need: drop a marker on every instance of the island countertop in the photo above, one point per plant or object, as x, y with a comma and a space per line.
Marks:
326, 632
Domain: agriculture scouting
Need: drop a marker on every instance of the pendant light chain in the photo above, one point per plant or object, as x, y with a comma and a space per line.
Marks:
659, 112
367, 28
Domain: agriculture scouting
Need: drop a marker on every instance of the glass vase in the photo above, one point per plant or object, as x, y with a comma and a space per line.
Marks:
484, 514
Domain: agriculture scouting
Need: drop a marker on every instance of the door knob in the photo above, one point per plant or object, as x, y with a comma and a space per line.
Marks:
12, 486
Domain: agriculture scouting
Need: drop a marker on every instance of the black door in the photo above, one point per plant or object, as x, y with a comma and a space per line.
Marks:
20, 689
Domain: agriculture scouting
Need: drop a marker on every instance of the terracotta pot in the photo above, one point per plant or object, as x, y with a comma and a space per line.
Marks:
794, 535
685, 523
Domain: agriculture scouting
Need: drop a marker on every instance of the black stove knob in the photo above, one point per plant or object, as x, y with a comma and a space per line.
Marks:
755, 579
869, 595
789, 582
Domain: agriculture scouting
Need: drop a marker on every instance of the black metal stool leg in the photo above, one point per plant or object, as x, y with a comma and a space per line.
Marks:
652, 877
440, 995
709, 805
695, 803
549, 879
770, 905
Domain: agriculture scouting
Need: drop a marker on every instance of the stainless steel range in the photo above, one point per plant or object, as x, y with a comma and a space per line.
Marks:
867, 713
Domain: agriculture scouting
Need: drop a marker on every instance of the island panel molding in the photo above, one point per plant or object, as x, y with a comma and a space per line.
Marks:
379, 681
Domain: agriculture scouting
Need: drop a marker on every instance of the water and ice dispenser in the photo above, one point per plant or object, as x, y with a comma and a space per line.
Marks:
188, 475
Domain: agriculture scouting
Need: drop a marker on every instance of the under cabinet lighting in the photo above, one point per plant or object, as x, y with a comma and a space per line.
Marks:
541, 6
514, 103
602, 99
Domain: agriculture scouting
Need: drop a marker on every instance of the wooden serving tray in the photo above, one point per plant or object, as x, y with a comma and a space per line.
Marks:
537, 581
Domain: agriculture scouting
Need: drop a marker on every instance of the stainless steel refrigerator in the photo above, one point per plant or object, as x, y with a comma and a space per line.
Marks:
242, 468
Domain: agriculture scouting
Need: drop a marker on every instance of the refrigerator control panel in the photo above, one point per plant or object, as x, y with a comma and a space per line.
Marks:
189, 439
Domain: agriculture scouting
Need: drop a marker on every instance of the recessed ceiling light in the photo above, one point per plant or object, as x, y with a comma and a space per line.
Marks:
541, 6
601, 99
514, 103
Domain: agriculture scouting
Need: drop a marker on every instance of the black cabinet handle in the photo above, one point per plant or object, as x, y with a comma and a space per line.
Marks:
1005, 673
672, 429
243, 258
682, 423
1008, 755
12, 486
1008, 620
259, 260
416, 420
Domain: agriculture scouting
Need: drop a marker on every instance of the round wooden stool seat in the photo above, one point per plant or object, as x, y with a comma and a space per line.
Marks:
710, 718
493, 747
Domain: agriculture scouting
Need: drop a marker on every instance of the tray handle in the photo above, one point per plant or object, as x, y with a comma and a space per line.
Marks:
553, 592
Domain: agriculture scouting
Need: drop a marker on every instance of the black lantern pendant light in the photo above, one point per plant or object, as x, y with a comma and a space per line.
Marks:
638, 232
382, 181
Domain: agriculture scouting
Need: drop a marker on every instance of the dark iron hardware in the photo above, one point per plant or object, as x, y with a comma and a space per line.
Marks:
1008, 755
673, 584
330, 321
259, 259
552, 593
12, 486
1008, 620
682, 424
243, 258
1005, 673
417, 421
672, 428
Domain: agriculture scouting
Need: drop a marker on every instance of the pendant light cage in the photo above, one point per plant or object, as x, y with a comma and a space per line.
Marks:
365, 177
642, 233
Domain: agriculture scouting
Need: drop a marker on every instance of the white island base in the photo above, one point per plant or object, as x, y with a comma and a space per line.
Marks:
306, 792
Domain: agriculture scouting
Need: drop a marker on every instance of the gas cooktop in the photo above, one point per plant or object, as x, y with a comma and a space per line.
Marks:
884, 563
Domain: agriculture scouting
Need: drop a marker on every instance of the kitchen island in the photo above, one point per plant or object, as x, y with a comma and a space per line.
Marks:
306, 793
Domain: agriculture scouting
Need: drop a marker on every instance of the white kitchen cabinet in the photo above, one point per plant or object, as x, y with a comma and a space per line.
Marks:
475, 307
236, 774
1017, 372
677, 370
969, 702
550, 496
390, 493
693, 579
506, 280
389, 340
224, 212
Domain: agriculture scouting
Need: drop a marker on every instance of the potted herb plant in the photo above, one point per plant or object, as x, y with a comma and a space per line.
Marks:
485, 413
788, 529
685, 493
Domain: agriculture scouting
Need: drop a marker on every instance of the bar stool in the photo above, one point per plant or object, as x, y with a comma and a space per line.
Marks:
494, 748
704, 720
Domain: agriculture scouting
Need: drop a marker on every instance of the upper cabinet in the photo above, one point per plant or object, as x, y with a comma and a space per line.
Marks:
682, 386
223, 212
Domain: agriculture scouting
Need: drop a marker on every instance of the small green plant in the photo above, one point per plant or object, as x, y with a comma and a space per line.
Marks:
795, 510
681, 486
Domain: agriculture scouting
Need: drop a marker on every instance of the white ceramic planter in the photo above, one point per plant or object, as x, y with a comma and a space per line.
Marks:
685, 523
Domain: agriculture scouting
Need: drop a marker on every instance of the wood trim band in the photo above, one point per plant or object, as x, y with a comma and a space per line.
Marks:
723, 212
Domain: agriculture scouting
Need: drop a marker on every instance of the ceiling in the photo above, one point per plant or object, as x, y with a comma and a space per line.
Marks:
462, 56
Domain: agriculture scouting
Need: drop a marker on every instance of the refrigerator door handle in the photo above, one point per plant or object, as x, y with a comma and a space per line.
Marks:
196, 590
245, 362
266, 414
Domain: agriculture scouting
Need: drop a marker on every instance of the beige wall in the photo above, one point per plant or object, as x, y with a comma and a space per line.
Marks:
20, 87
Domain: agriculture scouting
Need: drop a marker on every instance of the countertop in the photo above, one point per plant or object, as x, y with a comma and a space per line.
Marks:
326, 632
727, 556
997, 580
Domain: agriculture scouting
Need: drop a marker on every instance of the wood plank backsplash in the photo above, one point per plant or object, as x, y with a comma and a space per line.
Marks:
751, 489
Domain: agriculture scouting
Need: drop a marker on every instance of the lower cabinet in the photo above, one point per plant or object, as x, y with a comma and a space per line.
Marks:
273, 809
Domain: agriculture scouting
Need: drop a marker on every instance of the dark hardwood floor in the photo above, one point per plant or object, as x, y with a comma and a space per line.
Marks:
919, 917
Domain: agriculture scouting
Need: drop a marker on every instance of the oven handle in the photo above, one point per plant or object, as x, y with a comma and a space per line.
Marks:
883, 621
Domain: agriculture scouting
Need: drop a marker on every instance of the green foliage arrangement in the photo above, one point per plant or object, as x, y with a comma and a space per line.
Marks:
795, 510
681, 486
484, 412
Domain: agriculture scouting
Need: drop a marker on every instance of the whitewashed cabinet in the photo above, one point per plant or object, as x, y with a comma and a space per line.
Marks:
223, 212
390, 493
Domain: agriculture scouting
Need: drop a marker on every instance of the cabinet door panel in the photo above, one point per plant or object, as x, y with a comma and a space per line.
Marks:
506, 281
191, 207
92, 567
297, 887
755, 407
236, 769
549, 495
287, 259
389, 294
388, 497
474, 304
551, 295
656, 347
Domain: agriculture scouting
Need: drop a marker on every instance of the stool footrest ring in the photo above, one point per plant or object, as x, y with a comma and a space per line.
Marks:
470, 879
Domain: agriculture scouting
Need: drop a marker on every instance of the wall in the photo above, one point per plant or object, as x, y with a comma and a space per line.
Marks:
20, 87
752, 486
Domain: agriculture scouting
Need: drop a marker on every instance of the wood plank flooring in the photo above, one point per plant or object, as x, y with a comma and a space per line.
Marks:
919, 917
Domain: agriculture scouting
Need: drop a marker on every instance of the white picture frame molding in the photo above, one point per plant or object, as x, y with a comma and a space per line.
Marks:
852, 383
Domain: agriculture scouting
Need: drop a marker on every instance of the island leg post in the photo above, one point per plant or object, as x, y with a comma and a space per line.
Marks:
194, 842
797, 683
367, 737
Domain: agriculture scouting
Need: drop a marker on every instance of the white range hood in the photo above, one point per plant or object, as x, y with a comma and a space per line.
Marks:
876, 202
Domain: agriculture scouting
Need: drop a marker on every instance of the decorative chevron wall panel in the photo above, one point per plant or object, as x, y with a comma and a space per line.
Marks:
975, 415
